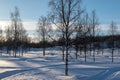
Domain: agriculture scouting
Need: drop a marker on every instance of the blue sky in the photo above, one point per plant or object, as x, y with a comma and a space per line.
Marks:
107, 10
31, 10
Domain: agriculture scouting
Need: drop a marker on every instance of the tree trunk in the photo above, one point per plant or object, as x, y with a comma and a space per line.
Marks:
112, 55
66, 62
63, 49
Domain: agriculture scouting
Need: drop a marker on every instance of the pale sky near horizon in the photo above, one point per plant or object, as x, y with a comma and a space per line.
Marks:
31, 10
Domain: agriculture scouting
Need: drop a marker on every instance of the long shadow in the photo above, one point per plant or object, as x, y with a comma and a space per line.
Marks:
10, 73
13, 72
104, 74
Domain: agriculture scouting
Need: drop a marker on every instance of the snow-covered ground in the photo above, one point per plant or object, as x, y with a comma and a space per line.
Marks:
34, 66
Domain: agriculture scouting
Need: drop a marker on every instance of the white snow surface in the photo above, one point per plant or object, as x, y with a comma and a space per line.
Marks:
34, 66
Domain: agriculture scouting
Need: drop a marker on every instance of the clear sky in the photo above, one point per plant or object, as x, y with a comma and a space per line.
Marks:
107, 10
31, 10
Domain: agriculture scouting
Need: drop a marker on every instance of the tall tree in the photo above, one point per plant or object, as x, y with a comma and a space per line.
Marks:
66, 12
113, 30
86, 30
82, 33
43, 29
17, 30
94, 26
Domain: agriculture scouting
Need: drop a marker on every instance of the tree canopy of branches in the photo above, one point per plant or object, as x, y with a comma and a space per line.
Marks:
65, 13
15, 33
113, 31
43, 29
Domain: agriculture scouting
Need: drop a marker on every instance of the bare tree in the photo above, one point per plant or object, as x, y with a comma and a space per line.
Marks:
113, 30
94, 25
78, 37
43, 29
23, 38
17, 30
86, 29
66, 12
82, 34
